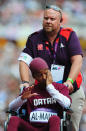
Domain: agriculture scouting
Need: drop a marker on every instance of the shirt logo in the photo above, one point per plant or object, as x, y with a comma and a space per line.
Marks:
61, 45
47, 48
45, 101
24, 57
40, 47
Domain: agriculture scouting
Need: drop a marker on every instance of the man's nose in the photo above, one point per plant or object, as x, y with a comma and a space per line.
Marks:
48, 21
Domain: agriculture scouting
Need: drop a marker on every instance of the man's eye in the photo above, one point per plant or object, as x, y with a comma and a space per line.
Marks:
46, 18
52, 19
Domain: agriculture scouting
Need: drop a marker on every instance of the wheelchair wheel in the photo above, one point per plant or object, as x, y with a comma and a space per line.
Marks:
5, 125
68, 126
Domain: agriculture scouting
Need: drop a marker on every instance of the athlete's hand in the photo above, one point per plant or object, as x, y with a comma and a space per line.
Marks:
27, 93
69, 85
49, 79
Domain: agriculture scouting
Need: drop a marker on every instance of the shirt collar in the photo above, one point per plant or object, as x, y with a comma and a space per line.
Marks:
44, 37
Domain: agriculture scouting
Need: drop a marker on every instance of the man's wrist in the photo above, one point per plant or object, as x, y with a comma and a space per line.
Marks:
70, 80
25, 82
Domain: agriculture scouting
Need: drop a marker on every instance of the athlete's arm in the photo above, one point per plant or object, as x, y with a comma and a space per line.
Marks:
19, 101
63, 100
16, 103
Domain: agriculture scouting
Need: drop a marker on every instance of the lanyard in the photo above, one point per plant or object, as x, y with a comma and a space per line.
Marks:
55, 49
52, 51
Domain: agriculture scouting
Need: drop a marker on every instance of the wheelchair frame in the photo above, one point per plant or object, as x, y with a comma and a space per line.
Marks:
66, 123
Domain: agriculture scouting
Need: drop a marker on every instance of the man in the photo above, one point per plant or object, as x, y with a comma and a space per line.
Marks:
60, 48
43, 101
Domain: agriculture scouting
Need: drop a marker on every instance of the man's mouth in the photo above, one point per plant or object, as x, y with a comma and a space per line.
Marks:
48, 26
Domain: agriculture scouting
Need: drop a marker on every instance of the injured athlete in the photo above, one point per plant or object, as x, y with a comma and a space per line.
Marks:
43, 100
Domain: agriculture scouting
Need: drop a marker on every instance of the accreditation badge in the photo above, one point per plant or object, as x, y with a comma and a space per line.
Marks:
57, 72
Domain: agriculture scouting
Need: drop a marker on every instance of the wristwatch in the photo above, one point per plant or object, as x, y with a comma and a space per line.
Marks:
25, 82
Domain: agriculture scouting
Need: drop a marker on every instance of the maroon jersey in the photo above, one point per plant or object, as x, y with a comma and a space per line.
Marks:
41, 107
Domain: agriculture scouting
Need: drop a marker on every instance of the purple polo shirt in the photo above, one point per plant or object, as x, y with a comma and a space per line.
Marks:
38, 46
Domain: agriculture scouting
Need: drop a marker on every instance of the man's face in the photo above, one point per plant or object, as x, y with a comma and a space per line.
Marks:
51, 21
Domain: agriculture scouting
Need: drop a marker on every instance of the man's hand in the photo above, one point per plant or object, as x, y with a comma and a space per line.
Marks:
69, 85
24, 85
49, 79
27, 93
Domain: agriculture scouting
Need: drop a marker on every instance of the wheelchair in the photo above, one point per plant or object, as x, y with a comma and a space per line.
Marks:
66, 123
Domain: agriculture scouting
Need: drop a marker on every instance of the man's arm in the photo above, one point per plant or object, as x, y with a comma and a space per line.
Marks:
74, 71
26, 56
24, 74
24, 71
76, 66
75, 54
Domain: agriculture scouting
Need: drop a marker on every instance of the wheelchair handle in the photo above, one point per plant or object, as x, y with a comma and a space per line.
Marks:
11, 112
69, 110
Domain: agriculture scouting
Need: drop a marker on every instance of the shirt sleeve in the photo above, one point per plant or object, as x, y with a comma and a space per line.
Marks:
63, 100
27, 54
16, 103
74, 47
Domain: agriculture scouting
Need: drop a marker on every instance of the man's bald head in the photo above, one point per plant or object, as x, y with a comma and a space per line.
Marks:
52, 19
55, 8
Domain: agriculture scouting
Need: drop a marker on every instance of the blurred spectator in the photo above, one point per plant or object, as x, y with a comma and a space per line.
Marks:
8, 91
18, 19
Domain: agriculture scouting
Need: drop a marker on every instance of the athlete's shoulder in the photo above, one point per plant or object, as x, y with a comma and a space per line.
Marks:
59, 86
56, 85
